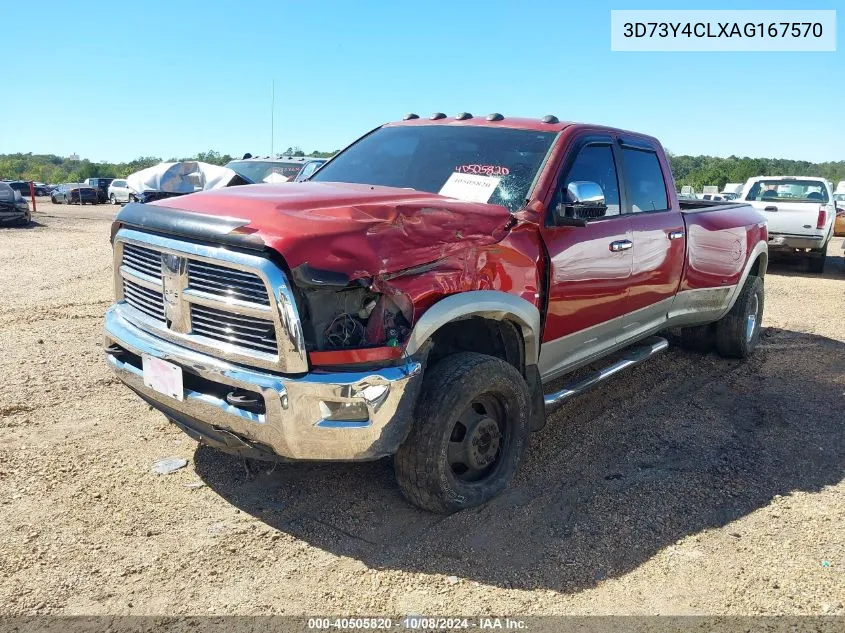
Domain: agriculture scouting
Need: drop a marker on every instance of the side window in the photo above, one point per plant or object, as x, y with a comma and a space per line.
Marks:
594, 163
645, 180
309, 169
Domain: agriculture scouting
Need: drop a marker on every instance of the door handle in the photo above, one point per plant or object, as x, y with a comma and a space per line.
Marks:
770, 208
675, 235
621, 245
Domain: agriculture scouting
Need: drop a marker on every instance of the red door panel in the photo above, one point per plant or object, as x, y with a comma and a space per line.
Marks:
589, 282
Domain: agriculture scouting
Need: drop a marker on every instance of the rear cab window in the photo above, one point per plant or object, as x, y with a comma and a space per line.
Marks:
646, 183
788, 191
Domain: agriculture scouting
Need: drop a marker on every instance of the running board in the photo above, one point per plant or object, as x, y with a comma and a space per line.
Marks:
635, 355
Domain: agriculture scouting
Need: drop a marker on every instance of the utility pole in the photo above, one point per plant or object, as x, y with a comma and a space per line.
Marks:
272, 116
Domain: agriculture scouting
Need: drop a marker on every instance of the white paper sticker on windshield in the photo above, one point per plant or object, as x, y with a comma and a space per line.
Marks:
470, 187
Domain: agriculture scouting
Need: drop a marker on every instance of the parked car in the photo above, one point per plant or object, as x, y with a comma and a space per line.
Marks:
839, 223
102, 187
800, 213
14, 209
74, 193
274, 170
417, 293
119, 192
22, 186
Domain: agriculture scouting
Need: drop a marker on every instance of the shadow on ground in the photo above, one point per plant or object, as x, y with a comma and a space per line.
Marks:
790, 265
684, 443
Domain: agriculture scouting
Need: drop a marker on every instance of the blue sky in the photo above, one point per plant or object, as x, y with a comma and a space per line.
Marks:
114, 81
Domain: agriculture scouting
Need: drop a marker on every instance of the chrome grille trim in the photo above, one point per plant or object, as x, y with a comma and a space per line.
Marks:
212, 279
242, 303
147, 301
257, 334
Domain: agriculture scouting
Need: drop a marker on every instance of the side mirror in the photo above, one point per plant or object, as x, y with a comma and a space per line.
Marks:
584, 201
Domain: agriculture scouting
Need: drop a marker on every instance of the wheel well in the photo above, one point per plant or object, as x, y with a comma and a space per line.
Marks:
501, 339
758, 268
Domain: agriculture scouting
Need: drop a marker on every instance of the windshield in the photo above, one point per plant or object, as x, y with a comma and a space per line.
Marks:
788, 191
839, 197
475, 163
265, 170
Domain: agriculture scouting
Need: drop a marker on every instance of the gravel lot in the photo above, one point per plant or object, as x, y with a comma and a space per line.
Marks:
689, 485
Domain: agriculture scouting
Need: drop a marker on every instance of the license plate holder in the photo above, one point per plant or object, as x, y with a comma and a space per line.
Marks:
163, 377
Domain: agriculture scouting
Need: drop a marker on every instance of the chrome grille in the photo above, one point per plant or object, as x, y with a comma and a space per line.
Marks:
226, 282
150, 302
226, 303
243, 331
142, 260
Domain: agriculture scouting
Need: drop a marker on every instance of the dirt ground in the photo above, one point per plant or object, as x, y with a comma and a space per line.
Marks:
690, 485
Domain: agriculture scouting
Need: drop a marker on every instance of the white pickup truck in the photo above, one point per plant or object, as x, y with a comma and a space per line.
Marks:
800, 212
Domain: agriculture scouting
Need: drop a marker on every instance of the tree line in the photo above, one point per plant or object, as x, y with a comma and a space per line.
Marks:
53, 169
697, 171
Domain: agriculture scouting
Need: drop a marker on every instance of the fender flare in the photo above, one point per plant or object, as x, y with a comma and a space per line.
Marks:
490, 304
759, 252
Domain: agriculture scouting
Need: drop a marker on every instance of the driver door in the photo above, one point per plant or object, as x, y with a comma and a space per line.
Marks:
590, 266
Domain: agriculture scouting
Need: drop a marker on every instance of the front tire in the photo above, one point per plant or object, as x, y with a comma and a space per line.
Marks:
469, 433
738, 332
112, 199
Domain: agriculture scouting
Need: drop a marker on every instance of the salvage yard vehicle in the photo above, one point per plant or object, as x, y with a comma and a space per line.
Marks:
800, 212
275, 170
74, 193
839, 223
14, 209
119, 192
102, 187
22, 186
416, 294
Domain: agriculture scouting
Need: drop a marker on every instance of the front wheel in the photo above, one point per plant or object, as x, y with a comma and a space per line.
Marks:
469, 433
112, 199
738, 332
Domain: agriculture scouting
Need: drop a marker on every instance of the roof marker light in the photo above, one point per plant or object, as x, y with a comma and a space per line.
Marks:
437, 116
495, 117
410, 116
550, 118
463, 116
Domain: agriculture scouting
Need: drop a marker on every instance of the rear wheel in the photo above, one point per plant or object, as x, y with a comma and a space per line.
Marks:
738, 332
817, 259
469, 433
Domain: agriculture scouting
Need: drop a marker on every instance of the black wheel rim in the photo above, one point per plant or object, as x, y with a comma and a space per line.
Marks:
478, 440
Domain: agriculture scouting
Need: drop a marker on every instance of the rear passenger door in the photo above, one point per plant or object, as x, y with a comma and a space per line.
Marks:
658, 235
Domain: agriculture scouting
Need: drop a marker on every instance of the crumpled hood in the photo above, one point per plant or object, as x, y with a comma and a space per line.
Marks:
358, 230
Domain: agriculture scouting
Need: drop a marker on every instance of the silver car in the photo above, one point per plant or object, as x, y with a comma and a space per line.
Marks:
14, 209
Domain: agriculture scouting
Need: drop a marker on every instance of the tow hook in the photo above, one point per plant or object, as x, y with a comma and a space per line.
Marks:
246, 400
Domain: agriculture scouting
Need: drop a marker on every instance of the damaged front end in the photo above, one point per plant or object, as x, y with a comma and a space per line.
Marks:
351, 321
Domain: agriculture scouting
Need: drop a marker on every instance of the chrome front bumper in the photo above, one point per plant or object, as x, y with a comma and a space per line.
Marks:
294, 423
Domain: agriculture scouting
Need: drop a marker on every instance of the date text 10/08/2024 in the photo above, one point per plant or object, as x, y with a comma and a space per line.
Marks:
416, 623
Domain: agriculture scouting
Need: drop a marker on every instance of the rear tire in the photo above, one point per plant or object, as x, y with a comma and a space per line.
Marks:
468, 436
817, 259
738, 332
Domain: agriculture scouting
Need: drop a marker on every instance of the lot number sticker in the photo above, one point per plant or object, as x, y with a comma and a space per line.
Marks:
470, 187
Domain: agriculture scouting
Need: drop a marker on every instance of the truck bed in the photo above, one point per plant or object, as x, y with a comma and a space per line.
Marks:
696, 206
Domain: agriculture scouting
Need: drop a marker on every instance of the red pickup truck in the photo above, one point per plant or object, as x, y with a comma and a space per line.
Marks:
416, 293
